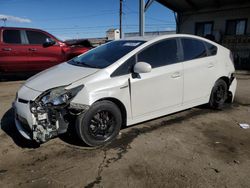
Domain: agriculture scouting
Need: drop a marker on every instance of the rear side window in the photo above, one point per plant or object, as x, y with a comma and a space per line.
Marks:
193, 49
12, 36
212, 49
160, 54
36, 37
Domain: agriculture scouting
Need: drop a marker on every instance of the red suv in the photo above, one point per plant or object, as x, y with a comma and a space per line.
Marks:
33, 50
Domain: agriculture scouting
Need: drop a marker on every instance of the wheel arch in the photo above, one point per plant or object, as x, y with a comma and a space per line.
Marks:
229, 95
226, 79
120, 105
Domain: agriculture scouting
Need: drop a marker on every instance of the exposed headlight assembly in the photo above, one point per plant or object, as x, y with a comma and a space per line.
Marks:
59, 96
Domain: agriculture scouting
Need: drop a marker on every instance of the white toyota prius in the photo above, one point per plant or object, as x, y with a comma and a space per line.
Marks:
122, 83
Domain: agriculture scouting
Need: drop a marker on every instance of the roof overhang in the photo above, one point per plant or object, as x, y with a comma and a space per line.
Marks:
197, 5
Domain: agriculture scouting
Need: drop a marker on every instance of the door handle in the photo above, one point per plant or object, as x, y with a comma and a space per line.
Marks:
210, 65
176, 75
32, 49
6, 49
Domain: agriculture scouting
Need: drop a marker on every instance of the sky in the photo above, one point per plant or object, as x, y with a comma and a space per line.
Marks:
67, 19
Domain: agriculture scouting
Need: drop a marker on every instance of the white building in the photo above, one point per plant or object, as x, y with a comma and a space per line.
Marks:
113, 34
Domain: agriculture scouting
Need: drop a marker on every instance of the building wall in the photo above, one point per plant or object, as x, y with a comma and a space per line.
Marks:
240, 45
188, 20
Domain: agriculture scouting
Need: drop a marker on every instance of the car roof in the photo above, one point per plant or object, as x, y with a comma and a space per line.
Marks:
160, 37
3, 27
141, 38
148, 38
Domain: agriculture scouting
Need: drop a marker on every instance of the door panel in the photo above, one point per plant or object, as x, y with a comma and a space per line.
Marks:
199, 69
13, 53
160, 89
40, 57
198, 78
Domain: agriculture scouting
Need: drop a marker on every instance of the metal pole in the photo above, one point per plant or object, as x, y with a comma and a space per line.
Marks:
121, 1
142, 18
176, 15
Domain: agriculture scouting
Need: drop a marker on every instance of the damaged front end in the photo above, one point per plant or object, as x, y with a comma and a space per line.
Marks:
52, 111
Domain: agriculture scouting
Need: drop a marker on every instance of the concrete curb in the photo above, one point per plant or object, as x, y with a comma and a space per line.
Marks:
242, 72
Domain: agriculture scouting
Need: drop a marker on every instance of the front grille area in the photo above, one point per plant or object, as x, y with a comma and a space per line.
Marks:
23, 101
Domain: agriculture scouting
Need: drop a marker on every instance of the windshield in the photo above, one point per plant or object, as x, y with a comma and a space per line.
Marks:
107, 54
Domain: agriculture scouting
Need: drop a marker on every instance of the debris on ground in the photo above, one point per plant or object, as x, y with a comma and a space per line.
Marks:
216, 170
3, 171
236, 162
244, 125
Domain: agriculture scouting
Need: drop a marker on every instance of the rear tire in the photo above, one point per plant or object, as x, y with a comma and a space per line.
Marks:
100, 124
218, 96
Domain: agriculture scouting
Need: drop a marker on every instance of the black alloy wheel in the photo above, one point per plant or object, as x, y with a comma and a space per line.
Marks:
100, 124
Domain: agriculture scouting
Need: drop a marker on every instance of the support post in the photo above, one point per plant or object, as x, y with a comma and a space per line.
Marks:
142, 18
121, 1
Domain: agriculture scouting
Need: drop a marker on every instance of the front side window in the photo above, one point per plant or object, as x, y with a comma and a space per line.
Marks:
12, 37
35, 37
193, 49
204, 28
236, 27
107, 54
160, 54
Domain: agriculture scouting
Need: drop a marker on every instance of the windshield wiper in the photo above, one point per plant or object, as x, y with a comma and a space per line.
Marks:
78, 63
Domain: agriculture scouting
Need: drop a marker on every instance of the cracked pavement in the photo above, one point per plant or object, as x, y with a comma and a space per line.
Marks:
198, 147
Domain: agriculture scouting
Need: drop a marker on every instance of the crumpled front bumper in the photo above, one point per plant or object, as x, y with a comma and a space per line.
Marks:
24, 119
38, 121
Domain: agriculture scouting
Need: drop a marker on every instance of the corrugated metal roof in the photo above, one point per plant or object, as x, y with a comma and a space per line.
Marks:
195, 5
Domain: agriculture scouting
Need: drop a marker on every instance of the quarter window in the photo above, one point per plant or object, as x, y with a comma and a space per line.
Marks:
212, 49
160, 54
193, 49
35, 37
12, 36
125, 68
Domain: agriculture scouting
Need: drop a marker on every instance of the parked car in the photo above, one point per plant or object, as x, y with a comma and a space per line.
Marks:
33, 50
123, 83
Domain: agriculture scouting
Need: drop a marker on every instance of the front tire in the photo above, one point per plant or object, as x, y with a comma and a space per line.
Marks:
218, 95
100, 124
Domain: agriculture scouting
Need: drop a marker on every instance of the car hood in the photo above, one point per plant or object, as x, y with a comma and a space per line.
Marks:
59, 75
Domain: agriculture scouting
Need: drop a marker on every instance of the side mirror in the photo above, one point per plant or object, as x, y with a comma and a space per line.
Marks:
49, 42
142, 67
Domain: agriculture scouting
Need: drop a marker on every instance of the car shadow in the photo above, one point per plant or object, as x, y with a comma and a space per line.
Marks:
8, 126
71, 138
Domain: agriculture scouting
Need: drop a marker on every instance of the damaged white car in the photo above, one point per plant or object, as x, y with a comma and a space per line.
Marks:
122, 83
